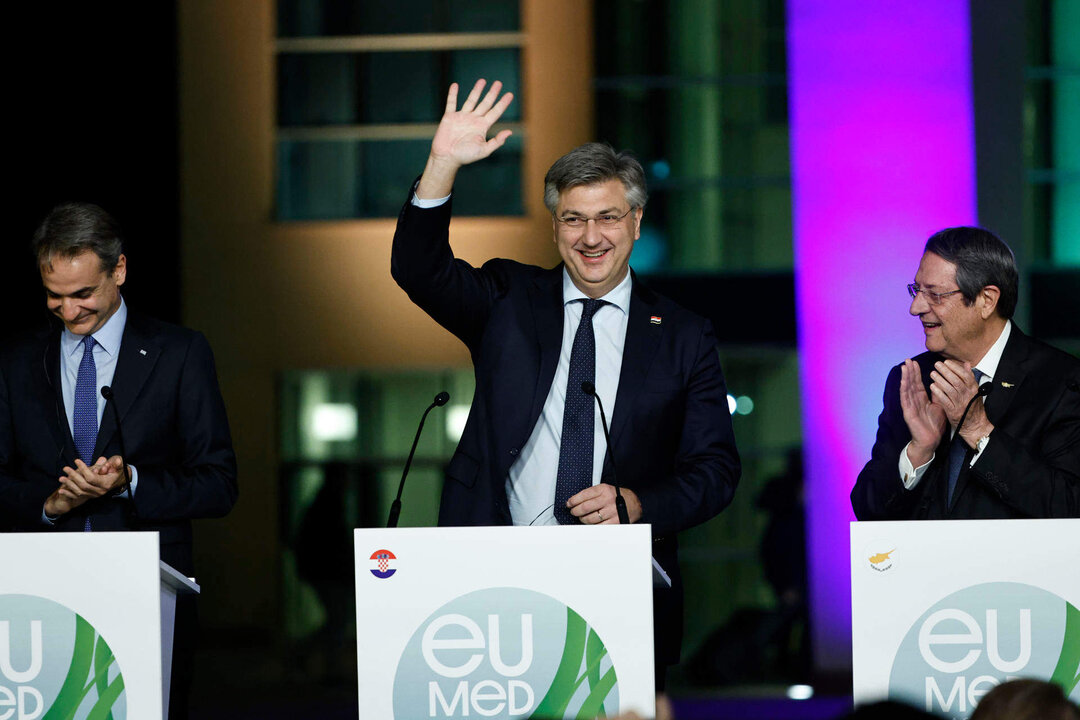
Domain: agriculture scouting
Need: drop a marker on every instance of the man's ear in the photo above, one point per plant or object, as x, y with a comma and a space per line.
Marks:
988, 299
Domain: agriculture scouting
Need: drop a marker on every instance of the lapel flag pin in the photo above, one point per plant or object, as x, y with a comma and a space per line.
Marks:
1006, 384
142, 352
656, 319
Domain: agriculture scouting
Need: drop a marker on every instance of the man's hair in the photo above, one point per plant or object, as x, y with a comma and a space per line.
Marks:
71, 229
595, 163
981, 259
1026, 699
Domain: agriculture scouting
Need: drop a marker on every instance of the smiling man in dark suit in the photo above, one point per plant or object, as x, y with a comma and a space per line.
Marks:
1017, 452
61, 466
533, 450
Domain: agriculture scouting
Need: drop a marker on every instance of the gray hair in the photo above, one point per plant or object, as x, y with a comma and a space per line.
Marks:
71, 229
981, 258
595, 163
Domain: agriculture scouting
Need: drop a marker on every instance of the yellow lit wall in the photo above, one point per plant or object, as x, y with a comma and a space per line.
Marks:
273, 296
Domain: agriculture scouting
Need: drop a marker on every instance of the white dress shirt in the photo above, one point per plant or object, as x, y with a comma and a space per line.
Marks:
530, 487
106, 351
988, 367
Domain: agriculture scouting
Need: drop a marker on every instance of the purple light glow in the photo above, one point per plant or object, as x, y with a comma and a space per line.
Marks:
883, 155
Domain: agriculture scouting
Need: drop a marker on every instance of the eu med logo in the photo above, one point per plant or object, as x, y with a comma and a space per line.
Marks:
983, 635
53, 663
505, 653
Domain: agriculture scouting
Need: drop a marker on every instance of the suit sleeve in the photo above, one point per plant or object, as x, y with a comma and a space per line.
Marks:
17, 498
706, 469
879, 492
201, 482
452, 292
1037, 475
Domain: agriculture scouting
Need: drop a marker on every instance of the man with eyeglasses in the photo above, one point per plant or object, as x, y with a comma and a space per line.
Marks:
533, 449
1015, 400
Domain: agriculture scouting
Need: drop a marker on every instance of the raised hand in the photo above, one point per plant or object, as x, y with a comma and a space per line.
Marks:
926, 420
461, 137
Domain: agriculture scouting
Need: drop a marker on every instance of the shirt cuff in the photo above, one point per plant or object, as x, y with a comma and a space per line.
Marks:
909, 474
134, 481
429, 202
979, 449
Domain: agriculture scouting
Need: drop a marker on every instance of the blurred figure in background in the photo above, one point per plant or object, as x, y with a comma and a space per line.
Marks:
1026, 699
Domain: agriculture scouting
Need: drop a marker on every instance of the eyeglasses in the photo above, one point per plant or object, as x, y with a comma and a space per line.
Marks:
577, 222
932, 297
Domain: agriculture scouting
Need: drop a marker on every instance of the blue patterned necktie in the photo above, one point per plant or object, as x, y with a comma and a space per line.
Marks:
957, 452
86, 418
576, 443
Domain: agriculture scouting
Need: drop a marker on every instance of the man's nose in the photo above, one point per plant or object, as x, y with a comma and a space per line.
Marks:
592, 232
919, 305
69, 309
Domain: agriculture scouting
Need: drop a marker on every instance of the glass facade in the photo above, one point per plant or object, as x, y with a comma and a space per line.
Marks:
361, 86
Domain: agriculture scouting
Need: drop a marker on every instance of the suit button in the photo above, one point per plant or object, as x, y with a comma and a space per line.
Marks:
513, 452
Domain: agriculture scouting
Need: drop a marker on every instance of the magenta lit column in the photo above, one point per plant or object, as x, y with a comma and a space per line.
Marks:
882, 141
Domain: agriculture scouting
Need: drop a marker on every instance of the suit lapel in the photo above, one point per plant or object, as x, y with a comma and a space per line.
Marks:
137, 356
1010, 374
642, 339
546, 301
52, 386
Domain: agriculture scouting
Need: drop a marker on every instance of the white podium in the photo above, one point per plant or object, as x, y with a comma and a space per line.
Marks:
504, 622
942, 611
86, 624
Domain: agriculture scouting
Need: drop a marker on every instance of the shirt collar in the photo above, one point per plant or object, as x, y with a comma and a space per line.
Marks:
619, 295
989, 364
108, 336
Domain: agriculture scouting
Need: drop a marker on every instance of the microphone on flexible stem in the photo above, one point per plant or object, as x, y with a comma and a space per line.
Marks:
620, 504
983, 391
107, 393
395, 509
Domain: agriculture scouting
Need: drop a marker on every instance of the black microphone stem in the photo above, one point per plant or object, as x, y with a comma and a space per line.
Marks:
620, 504
395, 508
107, 393
983, 391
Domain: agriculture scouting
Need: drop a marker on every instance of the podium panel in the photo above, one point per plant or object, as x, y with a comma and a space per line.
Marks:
943, 611
504, 622
80, 619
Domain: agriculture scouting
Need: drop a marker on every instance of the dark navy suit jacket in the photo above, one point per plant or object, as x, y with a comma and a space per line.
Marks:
1030, 468
671, 430
174, 427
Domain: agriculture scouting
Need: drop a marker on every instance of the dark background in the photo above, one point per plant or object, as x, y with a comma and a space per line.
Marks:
92, 116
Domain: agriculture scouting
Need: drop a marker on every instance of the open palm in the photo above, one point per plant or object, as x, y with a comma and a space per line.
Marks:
926, 420
461, 137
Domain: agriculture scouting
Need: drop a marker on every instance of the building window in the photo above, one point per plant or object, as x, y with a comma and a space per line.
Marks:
361, 87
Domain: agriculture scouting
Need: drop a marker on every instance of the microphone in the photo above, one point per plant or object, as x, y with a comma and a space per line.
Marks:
395, 509
620, 504
107, 393
983, 391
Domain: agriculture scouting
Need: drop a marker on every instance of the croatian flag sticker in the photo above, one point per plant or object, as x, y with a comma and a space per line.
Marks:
382, 560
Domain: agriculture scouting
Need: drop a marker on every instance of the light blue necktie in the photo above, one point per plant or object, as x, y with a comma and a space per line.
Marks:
86, 419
